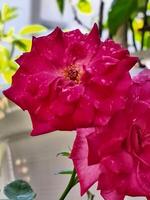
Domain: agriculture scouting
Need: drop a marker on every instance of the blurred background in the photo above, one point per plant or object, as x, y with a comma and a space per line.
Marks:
34, 158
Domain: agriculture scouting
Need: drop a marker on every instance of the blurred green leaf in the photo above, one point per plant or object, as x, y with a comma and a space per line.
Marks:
84, 6
11, 31
23, 44
147, 40
1, 29
138, 24
9, 71
8, 13
148, 7
141, 5
66, 172
65, 154
4, 57
105, 25
32, 29
13, 65
148, 20
7, 75
19, 190
119, 14
4, 51
0, 16
9, 36
61, 5
18, 43
147, 44
7, 65
27, 43
138, 37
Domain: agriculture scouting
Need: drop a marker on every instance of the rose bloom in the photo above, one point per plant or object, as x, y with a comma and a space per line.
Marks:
71, 80
117, 156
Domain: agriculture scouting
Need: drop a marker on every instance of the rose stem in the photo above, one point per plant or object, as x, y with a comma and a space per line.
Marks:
73, 181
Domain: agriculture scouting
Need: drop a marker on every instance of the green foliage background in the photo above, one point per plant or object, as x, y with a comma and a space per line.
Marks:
10, 41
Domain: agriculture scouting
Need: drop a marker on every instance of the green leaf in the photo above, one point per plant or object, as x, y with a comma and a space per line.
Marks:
20, 45
138, 36
61, 5
19, 190
66, 172
148, 7
32, 29
4, 51
65, 154
4, 57
119, 14
8, 13
0, 16
141, 4
138, 24
11, 31
84, 6
147, 40
23, 44
7, 76
9, 36
148, 20
9, 71
1, 29
7, 66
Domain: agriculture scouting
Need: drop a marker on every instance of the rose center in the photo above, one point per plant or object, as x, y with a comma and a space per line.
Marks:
73, 73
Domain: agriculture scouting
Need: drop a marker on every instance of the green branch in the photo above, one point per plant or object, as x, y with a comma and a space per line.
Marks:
73, 181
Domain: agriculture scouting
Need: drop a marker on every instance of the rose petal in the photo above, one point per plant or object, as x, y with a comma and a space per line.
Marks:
87, 175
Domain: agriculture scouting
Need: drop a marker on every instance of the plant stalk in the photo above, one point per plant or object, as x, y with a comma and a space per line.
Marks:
12, 51
90, 195
101, 16
133, 35
73, 181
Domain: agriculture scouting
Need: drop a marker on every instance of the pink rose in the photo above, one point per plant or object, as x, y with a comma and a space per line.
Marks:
71, 80
120, 151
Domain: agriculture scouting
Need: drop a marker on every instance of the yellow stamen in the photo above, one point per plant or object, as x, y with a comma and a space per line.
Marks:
73, 73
